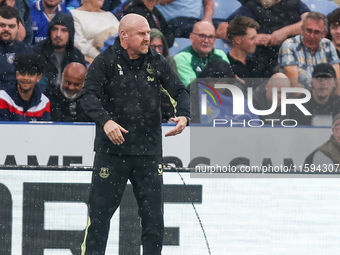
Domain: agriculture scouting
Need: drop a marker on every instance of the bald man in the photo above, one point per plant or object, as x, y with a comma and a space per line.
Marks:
264, 97
64, 104
191, 61
122, 96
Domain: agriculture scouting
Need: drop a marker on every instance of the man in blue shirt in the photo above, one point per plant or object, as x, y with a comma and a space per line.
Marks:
42, 13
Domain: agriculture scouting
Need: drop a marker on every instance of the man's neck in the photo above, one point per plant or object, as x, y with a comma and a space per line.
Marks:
60, 50
238, 55
49, 10
337, 46
150, 4
26, 96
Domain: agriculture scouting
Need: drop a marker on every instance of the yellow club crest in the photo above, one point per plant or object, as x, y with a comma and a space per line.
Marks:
104, 172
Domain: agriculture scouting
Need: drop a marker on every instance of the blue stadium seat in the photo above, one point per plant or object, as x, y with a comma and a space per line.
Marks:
224, 8
179, 44
323, 6
222, 45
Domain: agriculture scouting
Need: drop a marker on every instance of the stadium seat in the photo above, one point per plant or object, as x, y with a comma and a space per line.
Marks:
323, 6
179, 44
222, 45
224, 8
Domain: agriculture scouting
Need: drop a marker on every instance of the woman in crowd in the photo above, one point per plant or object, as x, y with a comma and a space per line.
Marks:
93, 26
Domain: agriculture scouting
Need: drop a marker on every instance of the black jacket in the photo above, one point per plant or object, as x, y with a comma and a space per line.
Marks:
46, 49
128, 92
63, 109
138, 7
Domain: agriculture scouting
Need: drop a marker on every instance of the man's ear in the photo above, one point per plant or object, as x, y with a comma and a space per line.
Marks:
123, 34
237, 39
191, 37
39, 77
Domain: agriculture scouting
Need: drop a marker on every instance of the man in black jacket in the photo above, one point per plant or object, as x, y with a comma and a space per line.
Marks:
65, 106
58, 48
122, 96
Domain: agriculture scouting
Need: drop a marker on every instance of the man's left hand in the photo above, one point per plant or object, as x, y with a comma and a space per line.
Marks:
181, 123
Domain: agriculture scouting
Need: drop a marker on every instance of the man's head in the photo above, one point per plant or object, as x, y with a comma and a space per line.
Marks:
59, 36
279, 81
61, 31
73, 80
134, 34
314, 28
203, 38
9, 22
336, 127
50, 3
334, 26
323, 82
242, 31
28, 68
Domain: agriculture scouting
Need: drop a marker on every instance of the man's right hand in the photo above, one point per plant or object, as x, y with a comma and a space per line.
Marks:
114, 132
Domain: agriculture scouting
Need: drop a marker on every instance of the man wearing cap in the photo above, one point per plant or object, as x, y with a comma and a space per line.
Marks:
329, 152
324, 104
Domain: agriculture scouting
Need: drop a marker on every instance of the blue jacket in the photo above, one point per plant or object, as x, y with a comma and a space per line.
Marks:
40, 21
12, 106
7, 56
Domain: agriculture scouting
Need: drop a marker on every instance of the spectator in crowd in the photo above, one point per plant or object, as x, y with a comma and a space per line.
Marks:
327, 154
263, 97
91, 24
183, 14
334, 28
25, 32
299, 55
42, 12
147, 9
242, 32
58, 48
192, 60
65, 106
278, 19
159, 44
9, 46
121, 94
25, 101
324, 103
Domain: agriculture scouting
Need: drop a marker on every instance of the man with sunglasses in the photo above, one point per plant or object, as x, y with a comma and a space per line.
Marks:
299, 55
191, 61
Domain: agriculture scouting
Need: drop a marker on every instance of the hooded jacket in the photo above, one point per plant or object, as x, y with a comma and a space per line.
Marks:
46, 49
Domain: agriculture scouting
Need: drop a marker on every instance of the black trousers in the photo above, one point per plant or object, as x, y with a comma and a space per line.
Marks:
109, 178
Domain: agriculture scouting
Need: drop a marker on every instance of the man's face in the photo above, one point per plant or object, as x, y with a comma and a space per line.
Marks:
60, 37
312, 33
203, 39
278, 83
138, 40
8, 30
27, 81
51, 3
72, 85
335, 32
322, 87
248, 42
157, 45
